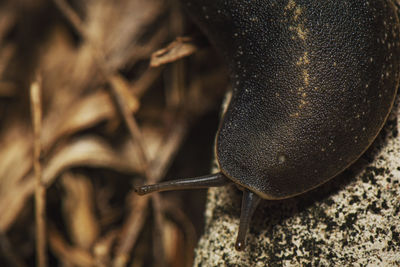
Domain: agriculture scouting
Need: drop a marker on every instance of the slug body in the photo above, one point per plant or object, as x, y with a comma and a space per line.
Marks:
312, 85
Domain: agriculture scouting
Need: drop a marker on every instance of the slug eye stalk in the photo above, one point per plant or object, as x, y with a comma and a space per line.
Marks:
249, 201
212, 180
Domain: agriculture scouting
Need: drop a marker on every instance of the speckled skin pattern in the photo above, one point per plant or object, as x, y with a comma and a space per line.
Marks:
313, 82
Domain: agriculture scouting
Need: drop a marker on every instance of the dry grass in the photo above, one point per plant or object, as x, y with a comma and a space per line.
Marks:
96, 96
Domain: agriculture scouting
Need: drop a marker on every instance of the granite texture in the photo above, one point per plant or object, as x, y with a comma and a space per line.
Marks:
353, 220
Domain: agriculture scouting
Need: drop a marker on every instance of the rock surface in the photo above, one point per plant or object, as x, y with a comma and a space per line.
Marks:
353, 219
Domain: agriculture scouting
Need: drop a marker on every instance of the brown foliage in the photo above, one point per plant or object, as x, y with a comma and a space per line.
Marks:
105, 120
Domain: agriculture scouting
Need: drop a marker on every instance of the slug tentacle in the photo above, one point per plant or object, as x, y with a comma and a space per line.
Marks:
212, 180
249, 204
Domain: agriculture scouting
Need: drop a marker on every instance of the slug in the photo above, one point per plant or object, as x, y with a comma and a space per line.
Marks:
312, 85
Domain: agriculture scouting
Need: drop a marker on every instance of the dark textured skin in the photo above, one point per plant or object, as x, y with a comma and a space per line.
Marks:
313, 83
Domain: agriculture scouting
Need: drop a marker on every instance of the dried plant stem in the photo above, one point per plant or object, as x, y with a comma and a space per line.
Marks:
136, 219
71, 15
158, 247
109, 75
102, 248
128, 241
187, 227
40, 190
131, 230
130, 122
69, 255
133, 128
173, 140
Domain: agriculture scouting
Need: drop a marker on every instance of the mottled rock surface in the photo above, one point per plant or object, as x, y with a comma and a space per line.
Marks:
354, 219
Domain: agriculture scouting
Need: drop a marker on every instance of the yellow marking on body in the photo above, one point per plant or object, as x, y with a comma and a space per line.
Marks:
296, 26
291, 4
306, 77
301, 32
297, 13
304, 60
295, 115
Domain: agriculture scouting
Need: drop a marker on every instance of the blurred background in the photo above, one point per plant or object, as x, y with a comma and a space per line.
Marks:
129, 94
